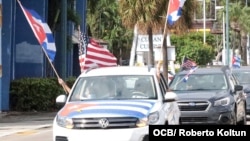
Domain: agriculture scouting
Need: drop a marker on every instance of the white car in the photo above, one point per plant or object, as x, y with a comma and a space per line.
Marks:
115, 104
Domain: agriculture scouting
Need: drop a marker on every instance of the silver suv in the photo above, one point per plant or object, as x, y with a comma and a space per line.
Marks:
209, 96
115, 104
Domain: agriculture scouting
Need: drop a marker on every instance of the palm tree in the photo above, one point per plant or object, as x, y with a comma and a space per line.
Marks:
240, 22
105, 23
148, 15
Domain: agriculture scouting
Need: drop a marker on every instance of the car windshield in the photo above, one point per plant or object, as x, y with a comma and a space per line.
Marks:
198, 82
114, 87
243, 77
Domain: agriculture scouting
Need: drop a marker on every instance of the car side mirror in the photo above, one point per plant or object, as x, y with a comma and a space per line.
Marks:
61, 99
238, 87
170, 97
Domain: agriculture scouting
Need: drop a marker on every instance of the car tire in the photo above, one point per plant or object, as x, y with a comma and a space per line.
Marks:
145, 138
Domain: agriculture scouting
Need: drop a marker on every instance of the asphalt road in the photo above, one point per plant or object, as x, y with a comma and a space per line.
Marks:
43, 134
30, 133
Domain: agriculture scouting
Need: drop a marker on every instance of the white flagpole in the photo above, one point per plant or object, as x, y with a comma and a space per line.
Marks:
164, 30
160, 62
204, 21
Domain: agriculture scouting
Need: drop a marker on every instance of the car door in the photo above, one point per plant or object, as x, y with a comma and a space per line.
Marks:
171, 108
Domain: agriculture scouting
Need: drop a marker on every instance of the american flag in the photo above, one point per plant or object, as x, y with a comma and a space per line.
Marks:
83, 44
92, 54
189, 73
188, 64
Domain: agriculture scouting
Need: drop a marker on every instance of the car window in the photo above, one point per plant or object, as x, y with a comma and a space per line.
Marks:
243, 77
199, 82
114, 87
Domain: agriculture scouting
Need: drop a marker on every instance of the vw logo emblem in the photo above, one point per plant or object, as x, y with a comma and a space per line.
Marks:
104, 123
191, 104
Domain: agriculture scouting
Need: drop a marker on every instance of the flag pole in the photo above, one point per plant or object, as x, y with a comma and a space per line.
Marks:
183, 58
50, 62
165, 28
160, 63
43, 48
65, 89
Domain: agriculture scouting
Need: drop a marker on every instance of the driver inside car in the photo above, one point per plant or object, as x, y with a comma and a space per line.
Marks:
141, 88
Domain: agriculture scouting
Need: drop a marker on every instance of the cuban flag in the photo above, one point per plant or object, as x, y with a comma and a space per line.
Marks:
236, 62
42, 32
174, 10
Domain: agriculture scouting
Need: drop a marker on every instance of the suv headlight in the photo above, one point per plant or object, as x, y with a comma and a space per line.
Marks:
151, 119
222, 102
64, 122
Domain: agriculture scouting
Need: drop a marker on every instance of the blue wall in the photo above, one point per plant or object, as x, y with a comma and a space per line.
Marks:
29, 58
6, 48
21, 53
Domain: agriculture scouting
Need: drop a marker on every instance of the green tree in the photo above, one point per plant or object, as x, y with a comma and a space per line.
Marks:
148, 15
191, 45
105, 23
240, 23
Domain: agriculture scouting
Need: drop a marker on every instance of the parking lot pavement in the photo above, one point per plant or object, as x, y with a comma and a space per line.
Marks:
14, 122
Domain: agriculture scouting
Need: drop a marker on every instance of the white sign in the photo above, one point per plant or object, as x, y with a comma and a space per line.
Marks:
143, 43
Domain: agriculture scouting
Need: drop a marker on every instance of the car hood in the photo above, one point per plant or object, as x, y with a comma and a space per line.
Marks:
107, 108
201, 95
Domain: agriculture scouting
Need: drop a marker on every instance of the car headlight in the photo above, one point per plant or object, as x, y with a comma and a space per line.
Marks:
65, 122
151, 119
222, 102
142, 122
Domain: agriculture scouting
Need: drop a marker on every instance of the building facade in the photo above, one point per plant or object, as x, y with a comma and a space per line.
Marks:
21, 55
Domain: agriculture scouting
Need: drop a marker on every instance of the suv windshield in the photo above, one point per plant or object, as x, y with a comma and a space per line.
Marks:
199, 82
114, 87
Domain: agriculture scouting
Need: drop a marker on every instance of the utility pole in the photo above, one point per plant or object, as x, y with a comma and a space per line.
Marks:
227, 33
204, 21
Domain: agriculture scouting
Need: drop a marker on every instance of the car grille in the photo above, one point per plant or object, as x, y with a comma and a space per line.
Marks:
193, 119
110, 122
60, 138
193, 105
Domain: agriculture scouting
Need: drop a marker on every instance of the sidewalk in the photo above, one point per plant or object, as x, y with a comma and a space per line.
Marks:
15, 122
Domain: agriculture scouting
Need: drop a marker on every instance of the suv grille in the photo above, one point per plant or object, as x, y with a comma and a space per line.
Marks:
104, 123
193, 119
193, 105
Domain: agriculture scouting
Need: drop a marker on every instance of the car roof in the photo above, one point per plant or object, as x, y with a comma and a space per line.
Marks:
205, 70
242, 68
119, 70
